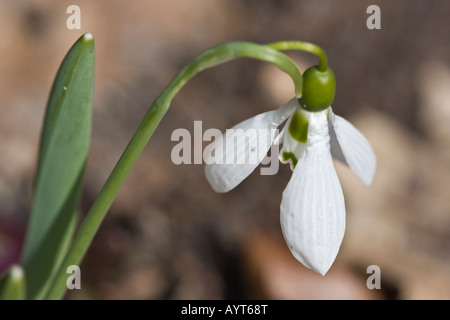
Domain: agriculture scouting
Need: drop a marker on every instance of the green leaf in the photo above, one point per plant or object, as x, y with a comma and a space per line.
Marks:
12, 284
62, 157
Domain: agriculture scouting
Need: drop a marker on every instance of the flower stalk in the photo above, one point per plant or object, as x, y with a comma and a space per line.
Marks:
302, 46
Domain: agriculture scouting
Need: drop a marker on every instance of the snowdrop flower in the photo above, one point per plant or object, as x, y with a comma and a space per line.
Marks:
312, 206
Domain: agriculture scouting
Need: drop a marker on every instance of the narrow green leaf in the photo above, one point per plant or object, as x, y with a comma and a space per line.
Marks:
62, 157
12, 284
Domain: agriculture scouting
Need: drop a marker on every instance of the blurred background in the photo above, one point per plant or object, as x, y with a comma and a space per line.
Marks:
169, 235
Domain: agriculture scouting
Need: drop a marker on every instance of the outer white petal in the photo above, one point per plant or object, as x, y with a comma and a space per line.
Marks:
351, 147
313, 210
236, 157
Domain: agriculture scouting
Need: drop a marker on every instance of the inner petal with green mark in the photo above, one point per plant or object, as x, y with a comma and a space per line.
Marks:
289, 156
295, 138
298, 127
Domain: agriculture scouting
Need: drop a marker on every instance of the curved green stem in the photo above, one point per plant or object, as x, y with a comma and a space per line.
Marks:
303, 46
231, 51
212, 57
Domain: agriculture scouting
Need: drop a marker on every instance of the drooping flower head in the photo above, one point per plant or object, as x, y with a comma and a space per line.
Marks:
312, 206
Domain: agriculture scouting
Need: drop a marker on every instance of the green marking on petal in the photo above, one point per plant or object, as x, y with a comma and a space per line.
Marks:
298, 128
290, 156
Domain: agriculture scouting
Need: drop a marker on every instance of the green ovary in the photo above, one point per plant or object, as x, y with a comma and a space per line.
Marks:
298, 128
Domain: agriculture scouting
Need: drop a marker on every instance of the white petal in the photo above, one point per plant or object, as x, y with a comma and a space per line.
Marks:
352, 148
313, 210
243, 147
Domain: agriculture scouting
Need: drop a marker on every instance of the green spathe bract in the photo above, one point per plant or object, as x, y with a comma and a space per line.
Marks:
62, 157
319, 87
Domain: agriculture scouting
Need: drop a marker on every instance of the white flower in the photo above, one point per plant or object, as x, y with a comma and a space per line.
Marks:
312, 207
